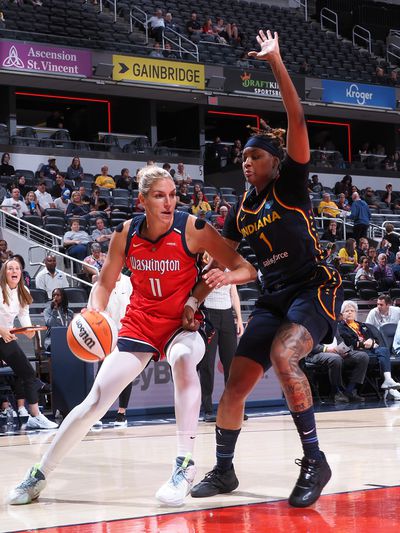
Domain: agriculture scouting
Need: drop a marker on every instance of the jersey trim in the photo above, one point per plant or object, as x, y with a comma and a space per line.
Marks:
302, 213
331, 313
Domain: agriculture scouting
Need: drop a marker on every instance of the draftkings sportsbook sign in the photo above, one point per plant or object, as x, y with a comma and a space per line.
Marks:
257, 83
158, 71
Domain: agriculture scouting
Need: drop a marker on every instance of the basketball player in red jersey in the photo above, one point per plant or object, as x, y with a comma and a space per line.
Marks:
162, 249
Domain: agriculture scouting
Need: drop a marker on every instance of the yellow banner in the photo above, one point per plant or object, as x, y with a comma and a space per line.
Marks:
158, 71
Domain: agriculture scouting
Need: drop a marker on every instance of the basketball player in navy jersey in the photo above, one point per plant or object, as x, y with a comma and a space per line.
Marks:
302, 298
162, 249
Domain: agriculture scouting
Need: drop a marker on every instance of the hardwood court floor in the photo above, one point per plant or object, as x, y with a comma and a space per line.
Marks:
107, 483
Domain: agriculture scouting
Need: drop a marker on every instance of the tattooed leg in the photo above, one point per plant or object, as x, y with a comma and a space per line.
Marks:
292, 342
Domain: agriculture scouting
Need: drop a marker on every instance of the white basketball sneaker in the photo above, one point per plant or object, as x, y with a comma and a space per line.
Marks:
29, 489
390, 383
22, 411
40, 422
175, 490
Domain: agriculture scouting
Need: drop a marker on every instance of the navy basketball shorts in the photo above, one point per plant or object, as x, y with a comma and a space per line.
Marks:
314, 303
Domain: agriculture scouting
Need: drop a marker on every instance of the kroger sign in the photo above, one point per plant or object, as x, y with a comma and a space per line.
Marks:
358, 94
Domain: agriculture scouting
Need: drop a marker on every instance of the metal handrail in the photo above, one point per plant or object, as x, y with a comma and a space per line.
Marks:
389, 45
304, 5
333, 20
367, 39
181, 48
64, 256
113, 4
144, 23
31, 231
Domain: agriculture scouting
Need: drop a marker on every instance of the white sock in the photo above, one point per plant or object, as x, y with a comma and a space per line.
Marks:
387, 375
184, 354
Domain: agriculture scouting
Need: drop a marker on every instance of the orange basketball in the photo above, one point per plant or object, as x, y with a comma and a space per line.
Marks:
92, 336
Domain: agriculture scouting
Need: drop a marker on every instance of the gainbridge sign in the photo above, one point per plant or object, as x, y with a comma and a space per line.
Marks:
158, 71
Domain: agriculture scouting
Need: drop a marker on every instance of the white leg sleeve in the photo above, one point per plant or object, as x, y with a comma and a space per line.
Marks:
117, 370
184, 354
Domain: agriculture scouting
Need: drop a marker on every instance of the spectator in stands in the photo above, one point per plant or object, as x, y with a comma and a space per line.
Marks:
220, 220
193, 28
169, 24
125, 181
384, 274
344, 186
315, 185
156, 51
76, 207
85, 198
197, 187
60, 187
380, 76
208, 33
181, 176
339, 358
363, 246
357, 336
330, 255
235, 36
50, 277
76, 241
50, 170
217, 203
361, 216
96, 259
168, 53
104, 179
3, 194
200, 204
364, 272
219, 151
390, 197
384, 312
20, 183
220, 32
98, 204
393, 238
5, 253
348, 254
236, 153
55, 120
56, 314
243, 61
333, 233
101, 234
372, 256
183, 197
343, 203
75, 170
384, 248
63, 202
14, 205
5, 168
371, 198
396, 267
43, 197
25, 274
32, 204
156, 25
393, 79
327, 207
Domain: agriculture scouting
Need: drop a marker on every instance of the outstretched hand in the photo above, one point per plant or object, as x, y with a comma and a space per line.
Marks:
269, 46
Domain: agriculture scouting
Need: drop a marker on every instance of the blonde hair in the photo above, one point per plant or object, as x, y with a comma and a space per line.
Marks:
149, 175
24, 296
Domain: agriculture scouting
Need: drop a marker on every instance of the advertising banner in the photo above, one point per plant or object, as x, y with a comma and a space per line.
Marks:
358, 94
158, 71
36, 57
257, 83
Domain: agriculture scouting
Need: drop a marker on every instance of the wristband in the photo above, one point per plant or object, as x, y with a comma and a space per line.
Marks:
193, 303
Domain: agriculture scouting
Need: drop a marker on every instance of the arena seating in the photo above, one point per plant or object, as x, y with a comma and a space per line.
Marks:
59, 22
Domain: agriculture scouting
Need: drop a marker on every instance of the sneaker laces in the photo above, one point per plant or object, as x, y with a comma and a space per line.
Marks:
307, 467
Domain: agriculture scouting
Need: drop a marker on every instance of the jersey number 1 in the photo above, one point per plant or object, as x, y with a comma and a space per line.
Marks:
155, 287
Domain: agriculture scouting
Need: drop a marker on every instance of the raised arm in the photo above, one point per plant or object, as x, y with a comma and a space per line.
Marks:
297, 136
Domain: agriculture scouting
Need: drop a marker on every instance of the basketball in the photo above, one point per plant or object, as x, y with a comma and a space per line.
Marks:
92, 336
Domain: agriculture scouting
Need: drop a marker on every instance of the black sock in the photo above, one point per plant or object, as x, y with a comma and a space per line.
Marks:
226, 442
305, 423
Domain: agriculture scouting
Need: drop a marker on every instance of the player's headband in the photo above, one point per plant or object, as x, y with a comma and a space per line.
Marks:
260, 141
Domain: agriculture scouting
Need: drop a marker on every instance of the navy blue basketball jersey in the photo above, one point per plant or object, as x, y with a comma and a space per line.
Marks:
278, 225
